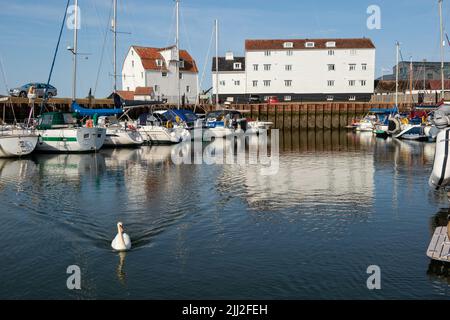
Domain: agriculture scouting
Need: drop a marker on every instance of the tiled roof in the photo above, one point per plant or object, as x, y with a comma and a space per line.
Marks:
126, 95
257, 45
143, 91
150, 55
228, 65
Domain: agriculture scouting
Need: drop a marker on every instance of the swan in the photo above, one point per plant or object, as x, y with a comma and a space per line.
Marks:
122, 241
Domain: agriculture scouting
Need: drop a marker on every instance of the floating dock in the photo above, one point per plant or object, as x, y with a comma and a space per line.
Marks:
439, 248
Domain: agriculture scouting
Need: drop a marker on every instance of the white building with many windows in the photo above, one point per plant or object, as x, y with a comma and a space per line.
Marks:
156, 69
299, 70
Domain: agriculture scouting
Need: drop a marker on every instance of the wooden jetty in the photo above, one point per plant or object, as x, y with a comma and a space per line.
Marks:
291, 116
439, 248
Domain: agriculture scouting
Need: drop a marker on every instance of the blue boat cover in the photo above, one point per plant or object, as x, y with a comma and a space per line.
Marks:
184, 115
91, 112
384, 111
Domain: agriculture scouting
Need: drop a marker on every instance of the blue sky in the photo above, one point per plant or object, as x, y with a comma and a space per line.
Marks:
29, 30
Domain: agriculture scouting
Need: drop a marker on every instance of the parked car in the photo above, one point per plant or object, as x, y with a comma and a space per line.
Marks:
272, 100
40, 90
254, 99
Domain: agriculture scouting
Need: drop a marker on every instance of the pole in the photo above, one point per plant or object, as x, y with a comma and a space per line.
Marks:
442, 49
75, 52
396, 75
114, 30
177, 41
217, 63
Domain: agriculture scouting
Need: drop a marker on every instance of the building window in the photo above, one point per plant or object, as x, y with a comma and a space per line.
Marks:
132, 52
363, 83
288, 83
237, 66
288, 67
352, 98
181, 64
181, 76
237, 83
128, 88
351, 83
331, 52
255, 67
267, 83
287, 98
309, 44
159, 63
164, 74
142, 75
255, 83
222, 83
330, 98
430, 76
364, 66
156, 88
188, 89
267, 53
331, 67
124, 77
353, 52
352, 67
287, 45
267, 67
289, 53
330, 83
330, 44
132, 63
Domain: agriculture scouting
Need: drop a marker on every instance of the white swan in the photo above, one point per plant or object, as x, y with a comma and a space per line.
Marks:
122, 241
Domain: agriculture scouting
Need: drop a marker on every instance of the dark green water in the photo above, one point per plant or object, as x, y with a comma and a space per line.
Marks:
340, 203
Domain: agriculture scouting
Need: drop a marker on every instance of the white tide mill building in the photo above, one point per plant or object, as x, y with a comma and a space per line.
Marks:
298, 70
155, 69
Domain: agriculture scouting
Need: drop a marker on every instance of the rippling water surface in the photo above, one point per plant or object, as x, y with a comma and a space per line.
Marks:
339, 203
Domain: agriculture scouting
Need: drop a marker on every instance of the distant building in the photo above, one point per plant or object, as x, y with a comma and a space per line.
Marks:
155, 69
298, 70
421, 70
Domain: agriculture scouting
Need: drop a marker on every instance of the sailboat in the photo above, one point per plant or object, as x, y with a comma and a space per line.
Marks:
62, 132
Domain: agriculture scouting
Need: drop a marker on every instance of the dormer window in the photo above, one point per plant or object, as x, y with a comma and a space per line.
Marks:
181, 63
237, 66
310, 44
288, 45
159, 63
331, 44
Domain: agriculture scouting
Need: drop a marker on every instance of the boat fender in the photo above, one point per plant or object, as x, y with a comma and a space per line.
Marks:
441, 120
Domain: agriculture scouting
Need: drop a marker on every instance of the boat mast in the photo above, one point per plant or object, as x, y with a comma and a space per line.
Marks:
177, 44
442, 49
216, 22
396, 75
114, 30
75, 53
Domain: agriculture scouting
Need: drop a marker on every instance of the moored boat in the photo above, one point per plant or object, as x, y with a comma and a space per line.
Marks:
17, 143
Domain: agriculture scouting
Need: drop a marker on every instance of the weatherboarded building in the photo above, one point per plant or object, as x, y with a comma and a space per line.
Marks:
155, 69
298, 70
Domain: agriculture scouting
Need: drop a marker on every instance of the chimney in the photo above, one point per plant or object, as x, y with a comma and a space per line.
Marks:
229, 56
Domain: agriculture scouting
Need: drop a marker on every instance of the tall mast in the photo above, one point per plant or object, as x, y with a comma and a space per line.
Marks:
75, 53
442, 49
396, 74
411, 79
216, 22
177, 41
114, 30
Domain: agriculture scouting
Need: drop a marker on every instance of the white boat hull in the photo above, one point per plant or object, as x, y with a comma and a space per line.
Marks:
71, 140
440, 177
15, 145
160, 135
123, 138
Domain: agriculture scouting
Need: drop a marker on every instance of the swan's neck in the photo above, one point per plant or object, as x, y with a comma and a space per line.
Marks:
120, 234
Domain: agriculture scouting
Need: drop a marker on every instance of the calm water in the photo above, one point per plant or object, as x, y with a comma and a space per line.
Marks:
340, 203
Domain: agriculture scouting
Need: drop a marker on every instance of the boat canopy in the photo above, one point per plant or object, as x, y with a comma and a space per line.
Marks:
184, 115
91, 112
384, 111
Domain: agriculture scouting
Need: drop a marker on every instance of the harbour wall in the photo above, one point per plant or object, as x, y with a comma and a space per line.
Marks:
320, 115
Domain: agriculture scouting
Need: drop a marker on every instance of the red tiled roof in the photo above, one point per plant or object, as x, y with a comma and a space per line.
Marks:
257, 45
404, 85
437, 84
150, 55
126, 95
143, 91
